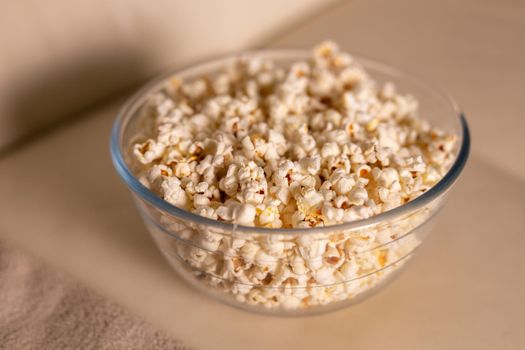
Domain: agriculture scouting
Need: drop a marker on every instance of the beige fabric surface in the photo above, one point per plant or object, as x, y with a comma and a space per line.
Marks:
464, 288
44, 309
60, 57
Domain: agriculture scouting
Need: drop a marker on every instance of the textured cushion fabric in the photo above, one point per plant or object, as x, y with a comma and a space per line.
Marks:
60, 57
79, 216
44, 309
61, 199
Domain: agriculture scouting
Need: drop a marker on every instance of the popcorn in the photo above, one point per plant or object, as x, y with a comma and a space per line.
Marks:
244, 214
196, 89
200, 200
174, 194
316, 144
298, 265
357, 196
248, 252
324, 276
330, 149
148, 151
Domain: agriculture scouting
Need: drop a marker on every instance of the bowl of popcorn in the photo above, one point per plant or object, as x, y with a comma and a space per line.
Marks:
287, 181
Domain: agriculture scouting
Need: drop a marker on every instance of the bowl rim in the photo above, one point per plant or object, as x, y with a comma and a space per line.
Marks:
143, 192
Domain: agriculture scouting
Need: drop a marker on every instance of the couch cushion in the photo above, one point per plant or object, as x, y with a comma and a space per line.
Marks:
61, 199
60, 57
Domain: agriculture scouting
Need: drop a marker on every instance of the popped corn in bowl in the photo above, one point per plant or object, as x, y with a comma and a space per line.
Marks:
286, 181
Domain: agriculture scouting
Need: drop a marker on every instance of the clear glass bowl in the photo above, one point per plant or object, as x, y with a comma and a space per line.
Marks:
364, 254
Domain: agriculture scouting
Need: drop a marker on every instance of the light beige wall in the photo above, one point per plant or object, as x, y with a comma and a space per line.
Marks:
61, 56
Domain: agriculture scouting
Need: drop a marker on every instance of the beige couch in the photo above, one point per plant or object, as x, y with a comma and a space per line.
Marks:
60, 58
61, 199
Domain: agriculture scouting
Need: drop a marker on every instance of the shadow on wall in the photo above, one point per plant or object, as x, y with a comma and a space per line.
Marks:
41, 99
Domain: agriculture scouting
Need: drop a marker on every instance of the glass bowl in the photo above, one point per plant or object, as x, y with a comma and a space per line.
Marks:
339, 265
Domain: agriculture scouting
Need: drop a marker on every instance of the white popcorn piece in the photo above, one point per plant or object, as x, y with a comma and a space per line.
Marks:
324, 276
244, 214
268, 262
357, 196
200, 200
196, 89
330, 149
344, 184
298, 265
148, 151
174, 194
248, 251
349, 270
